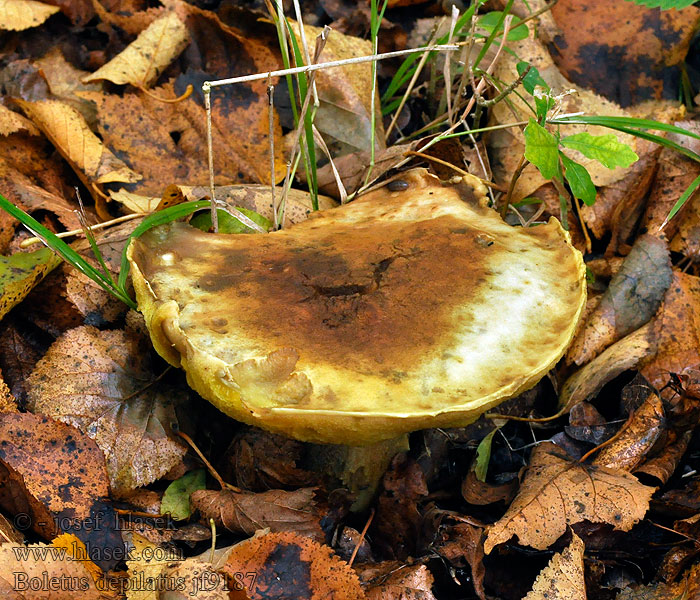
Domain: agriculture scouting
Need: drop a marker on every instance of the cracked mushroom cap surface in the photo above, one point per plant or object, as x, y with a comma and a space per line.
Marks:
400, 311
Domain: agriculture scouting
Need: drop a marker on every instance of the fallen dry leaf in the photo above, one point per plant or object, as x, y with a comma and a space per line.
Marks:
687, 240
20, 272
636, 438
70, 134
142, 61
17, 15
39, 456
623, 355
557, 492
625, 52
45, 572
661, 467
463, 545
632, 298
288, 565
409, 583
562, 578
12, 122
297, 511
19, 351
101, 382
685, 589
678, 327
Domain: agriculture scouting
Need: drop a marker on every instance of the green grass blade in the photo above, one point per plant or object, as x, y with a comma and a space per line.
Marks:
682, 200
613, 122
65, 251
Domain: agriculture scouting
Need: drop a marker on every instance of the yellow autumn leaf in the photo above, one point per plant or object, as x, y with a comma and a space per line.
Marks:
17, 15
142, 61
68, 131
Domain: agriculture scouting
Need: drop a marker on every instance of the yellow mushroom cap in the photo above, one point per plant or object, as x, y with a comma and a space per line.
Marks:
400, 311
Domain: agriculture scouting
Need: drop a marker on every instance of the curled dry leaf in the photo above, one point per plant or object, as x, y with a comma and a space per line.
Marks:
39, 456
632, 298
562, 578
623, 355
101, 382
277, 510
664, 465
686, 588
557, 492
70, 134
678, 327
142, 61
20, 272
637, 437
463, 545
288, 565
34, 567
17, 15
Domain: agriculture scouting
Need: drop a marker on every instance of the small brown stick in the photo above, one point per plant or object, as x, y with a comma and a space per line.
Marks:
362, 537
447, 73
587, 238
186, 94
511, 187
338, 181
212, 470
72, 232
271, 136
606, 442
210, 156
495, 186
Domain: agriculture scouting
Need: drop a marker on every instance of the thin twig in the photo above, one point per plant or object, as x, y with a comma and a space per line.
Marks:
330, 64
487, 183
35, 240
362, 537
271, 135
318, 138
511, 187
214, 473
206, 88
447, 72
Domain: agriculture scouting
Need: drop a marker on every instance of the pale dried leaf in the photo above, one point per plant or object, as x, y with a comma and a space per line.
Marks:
142, 61
17, 15
562, 578
70, 134
12, 122
413, 582
558, 492
101, 382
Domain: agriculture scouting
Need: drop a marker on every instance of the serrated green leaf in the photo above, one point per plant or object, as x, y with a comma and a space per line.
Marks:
579, 180
483, 456
532, 79
176, 499
541, 149
20, 272
665, 4
606, 149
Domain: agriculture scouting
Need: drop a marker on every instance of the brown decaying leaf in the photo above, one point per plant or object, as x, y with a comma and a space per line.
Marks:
687, 240
676, 172
624, 52
46, 575
292, 566
8, 403
70, 134
557, 492
562, 578
637, 437
101, 382
664, 465
279, 510
258, 460
17, 15
142, 61
632, 298
132, 22
40, 456
409, 583
623, 355
19, 351
463, 545
687, 588
481, 492
678, 327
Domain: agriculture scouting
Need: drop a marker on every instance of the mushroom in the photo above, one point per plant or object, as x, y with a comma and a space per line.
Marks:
400, 311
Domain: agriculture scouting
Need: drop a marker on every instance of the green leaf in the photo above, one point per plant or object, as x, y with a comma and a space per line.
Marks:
665, 4
483, 456
228, 223
532, 79
541, 149
493, 21
603, 148
579, 180
20, 272
176, 499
